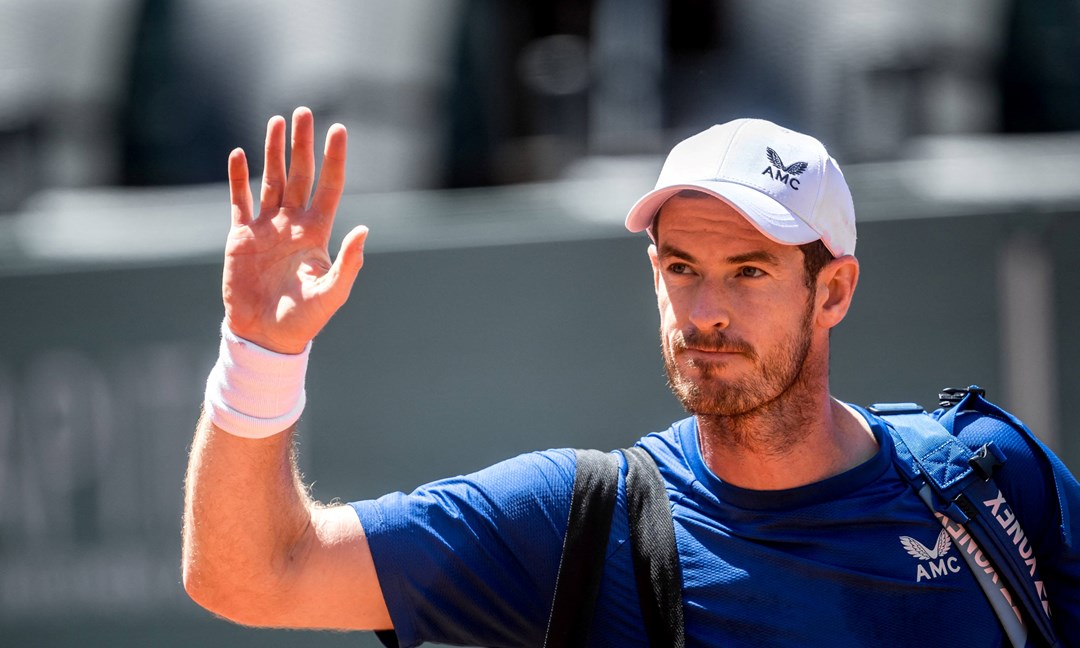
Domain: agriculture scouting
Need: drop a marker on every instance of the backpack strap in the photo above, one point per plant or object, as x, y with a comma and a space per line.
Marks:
956, 484
652, 537
596, 484
656, 558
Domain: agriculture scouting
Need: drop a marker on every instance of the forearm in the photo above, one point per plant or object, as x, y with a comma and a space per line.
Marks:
245, 513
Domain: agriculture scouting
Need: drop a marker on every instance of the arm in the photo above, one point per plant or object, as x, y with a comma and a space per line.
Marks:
256, 549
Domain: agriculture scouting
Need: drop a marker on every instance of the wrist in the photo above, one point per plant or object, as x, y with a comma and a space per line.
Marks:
278, 346
252, 391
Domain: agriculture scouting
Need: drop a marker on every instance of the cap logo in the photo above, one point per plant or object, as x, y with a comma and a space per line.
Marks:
785, 174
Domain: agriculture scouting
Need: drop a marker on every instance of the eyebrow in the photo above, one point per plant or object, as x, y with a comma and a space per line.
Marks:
758, 256
668, 250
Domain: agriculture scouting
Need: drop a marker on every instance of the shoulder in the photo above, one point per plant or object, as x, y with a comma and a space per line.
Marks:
491, 538
524, 485
669, 446
674, 451
548, 471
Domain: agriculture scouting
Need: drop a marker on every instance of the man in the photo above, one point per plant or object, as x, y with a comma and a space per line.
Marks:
792, 526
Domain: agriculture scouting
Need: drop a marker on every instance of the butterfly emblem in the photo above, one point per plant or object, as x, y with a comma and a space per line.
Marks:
774, 158
918, 550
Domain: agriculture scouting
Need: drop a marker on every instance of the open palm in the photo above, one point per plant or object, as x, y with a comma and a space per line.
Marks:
280, 286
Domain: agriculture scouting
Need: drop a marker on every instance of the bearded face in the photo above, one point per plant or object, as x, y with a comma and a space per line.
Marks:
737, 311
720, 374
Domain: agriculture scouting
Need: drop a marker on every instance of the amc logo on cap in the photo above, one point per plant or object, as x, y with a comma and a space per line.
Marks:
784, 174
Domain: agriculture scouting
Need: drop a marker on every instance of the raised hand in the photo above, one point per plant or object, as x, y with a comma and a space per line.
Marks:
279, 286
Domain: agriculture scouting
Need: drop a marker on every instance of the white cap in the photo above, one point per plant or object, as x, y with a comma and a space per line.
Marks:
783, 182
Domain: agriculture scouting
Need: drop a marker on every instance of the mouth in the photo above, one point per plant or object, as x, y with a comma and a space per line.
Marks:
710, 349
715, 350
698, 354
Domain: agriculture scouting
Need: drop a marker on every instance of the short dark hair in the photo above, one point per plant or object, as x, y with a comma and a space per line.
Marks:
815, 257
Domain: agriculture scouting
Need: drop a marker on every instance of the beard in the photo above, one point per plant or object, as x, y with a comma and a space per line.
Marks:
708, 394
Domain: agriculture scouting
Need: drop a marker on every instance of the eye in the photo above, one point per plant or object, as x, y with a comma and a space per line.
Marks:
678, 268
751, 272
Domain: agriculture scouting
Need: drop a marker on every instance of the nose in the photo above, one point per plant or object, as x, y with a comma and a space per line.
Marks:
710, 309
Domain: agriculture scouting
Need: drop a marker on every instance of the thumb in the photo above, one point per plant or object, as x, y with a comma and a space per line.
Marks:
348, 262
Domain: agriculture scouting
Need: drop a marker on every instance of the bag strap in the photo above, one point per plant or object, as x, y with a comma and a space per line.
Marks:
657, 572
656, 558
596, 483
956, 484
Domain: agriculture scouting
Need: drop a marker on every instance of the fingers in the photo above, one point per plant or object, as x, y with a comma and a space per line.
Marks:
301, 161
273, 185
347, 265
332, 175
239, 188
291, 189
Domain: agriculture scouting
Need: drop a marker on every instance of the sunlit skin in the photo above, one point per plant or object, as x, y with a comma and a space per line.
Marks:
746, 345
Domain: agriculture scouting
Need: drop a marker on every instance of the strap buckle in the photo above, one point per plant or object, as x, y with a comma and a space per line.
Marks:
986, 460
951, 396
887, 409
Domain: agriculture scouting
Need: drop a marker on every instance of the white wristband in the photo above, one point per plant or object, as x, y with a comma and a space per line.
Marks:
254, 392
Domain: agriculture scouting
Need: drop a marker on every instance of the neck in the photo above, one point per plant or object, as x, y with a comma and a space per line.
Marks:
800, 437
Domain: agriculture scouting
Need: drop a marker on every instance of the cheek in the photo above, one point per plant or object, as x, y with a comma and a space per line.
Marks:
792, 319
663, 301
671, 318
786, 305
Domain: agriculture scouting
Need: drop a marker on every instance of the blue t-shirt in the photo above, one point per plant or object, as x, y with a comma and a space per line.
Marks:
846, 561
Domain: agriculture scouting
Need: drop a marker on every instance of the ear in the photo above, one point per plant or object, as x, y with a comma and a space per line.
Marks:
654, 258
835, 289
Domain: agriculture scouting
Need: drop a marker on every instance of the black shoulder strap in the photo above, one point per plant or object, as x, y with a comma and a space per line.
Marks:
656, 558
596, 483
956, 483
652, 536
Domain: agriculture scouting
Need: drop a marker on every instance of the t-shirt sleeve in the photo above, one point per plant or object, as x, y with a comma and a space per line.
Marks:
472, 560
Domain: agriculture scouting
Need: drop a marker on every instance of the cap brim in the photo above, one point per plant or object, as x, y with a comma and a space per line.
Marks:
766, 214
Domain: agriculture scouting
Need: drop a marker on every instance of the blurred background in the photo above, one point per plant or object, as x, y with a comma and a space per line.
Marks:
494, 150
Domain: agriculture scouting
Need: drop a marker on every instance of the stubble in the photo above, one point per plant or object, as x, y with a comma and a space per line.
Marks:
762, 409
